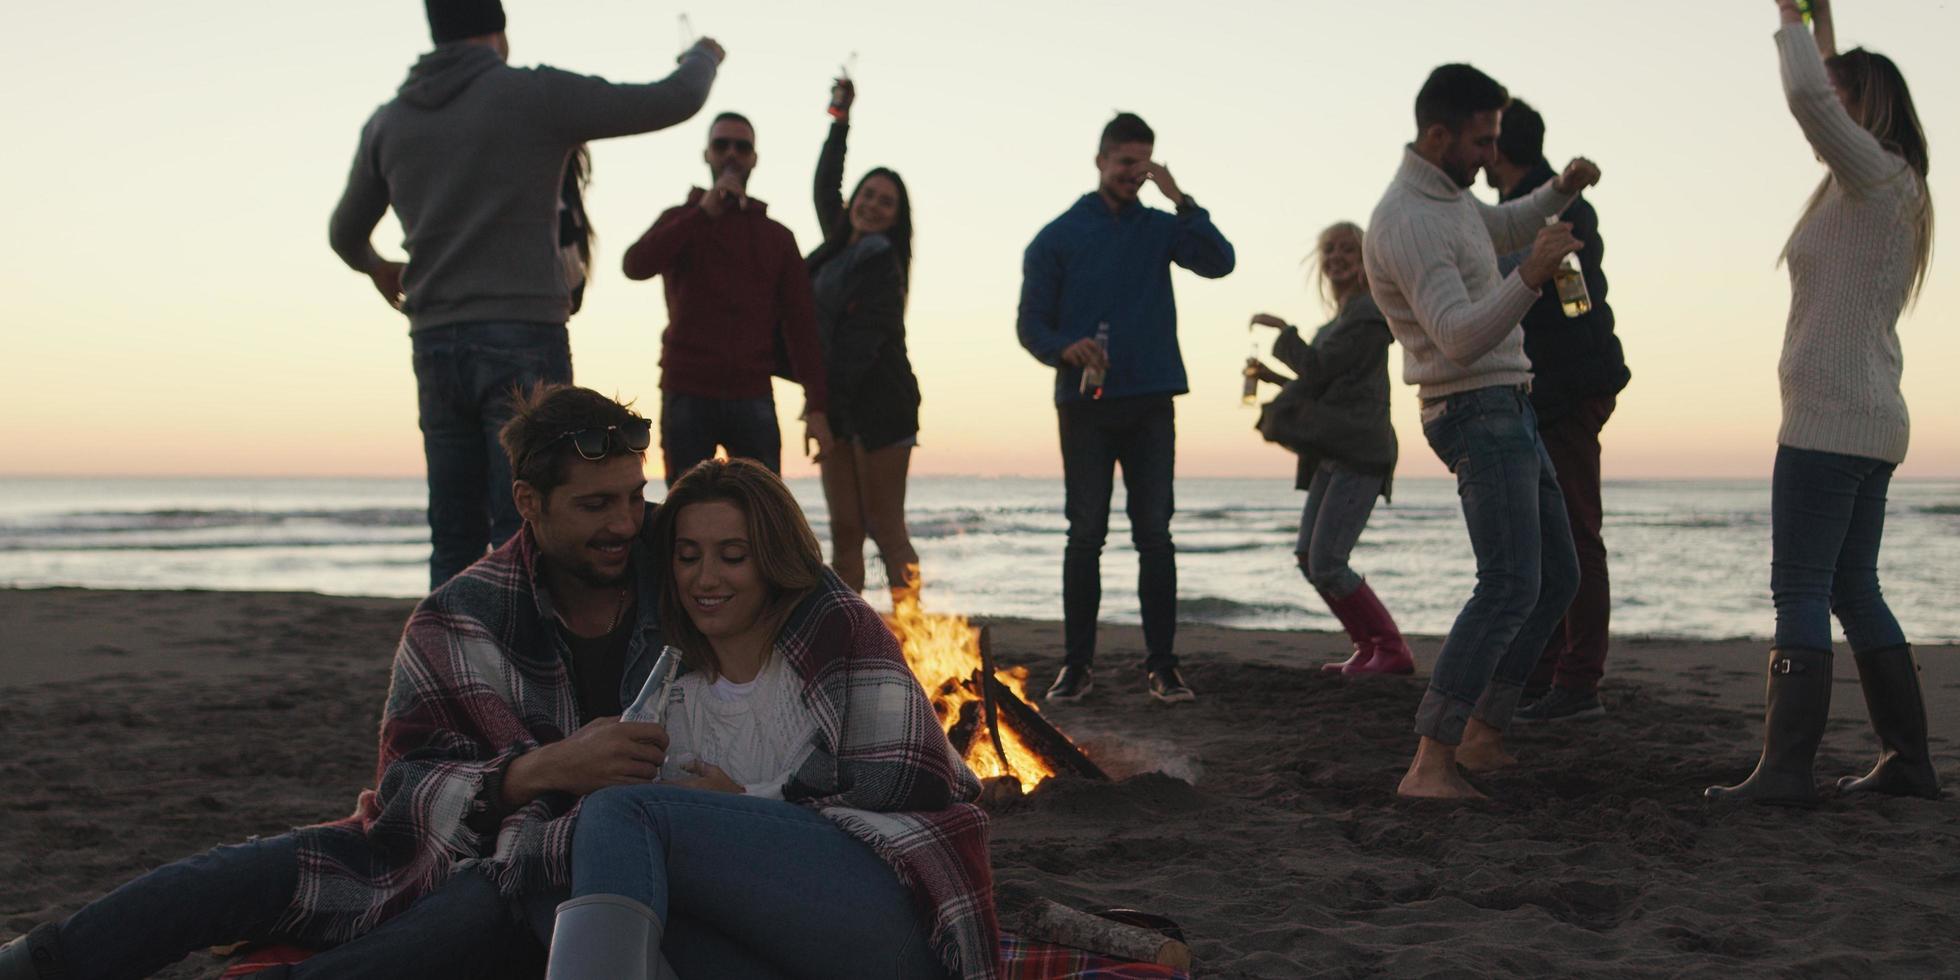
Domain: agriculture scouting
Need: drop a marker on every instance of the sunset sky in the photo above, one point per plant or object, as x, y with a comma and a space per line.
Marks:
172, 306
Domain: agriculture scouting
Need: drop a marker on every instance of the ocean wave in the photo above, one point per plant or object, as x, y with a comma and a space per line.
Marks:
1220, 610
1939, 510
59, 547
1223, 549
186, 519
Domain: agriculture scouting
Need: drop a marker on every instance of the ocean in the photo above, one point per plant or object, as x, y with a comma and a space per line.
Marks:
1690, 559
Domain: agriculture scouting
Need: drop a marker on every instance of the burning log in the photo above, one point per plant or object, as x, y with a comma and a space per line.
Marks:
965, 727
1042, 738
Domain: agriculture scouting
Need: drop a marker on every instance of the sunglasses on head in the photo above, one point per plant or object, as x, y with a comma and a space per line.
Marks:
597, 444
721, 144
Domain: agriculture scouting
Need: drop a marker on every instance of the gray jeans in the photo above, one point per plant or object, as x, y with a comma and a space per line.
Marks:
1339, 501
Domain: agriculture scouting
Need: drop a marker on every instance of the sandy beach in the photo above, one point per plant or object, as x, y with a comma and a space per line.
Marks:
143, 726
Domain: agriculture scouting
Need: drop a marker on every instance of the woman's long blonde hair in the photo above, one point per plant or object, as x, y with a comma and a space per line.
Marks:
1882, 104
781, 544
1318, 269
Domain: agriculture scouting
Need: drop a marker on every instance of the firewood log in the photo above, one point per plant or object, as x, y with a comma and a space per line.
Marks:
1055, 923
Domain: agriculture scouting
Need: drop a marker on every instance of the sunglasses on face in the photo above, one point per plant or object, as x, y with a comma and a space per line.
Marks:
722, 144
597, 444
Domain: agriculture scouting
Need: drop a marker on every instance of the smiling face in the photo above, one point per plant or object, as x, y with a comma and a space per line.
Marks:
1120, 170
875, 208
1340, 260
720, 582
585, 527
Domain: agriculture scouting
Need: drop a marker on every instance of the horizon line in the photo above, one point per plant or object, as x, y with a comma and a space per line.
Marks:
1657, 478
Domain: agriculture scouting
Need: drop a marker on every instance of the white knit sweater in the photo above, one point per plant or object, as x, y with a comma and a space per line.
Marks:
1431, 256
1851, 266
754, 732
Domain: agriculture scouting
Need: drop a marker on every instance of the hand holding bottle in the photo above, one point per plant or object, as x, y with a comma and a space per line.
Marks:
1086, 353
1268, 320
1553, 244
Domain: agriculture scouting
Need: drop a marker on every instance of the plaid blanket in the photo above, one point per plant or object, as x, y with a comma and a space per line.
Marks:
881, 767
1028, 959
479, 678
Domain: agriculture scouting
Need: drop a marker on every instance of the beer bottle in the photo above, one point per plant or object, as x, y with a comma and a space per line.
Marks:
1573, 296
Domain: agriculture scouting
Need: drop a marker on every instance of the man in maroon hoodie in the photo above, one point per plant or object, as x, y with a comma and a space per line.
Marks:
736, 289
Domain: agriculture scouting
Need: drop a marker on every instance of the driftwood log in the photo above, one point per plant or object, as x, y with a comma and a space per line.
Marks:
1055, 923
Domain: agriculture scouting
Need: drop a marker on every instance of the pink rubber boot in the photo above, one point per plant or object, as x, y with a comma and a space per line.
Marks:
1380, 648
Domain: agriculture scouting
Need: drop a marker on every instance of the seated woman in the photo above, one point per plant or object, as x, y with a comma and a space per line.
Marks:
812, 820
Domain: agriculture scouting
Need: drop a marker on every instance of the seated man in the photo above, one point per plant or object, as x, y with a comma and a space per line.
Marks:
451, 865
814, 820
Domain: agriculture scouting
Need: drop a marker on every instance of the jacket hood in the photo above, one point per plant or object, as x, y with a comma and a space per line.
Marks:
444, 73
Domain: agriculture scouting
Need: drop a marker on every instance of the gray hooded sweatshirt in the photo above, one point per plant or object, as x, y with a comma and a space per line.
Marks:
471, 154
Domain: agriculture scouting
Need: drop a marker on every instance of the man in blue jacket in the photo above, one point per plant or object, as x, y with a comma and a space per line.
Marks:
1096, 296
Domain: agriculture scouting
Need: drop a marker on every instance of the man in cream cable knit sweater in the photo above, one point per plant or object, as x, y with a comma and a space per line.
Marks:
1431, 257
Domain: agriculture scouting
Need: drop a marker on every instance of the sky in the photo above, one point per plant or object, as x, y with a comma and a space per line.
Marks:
172, 306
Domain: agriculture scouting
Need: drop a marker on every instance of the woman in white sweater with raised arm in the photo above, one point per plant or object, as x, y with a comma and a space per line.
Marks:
1857, 258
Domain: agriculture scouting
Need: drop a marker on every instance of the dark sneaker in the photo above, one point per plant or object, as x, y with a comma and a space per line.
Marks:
1562, 705
1167, 685
1070, 685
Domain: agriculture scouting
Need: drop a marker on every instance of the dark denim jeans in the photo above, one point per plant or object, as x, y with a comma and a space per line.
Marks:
1527, 571
1827, 517
1339, 500
1141, 435
465, 375
749, 887
239, 891
691, 427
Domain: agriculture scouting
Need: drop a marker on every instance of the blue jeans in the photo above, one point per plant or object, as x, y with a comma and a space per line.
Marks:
239, 891
749, 887
465, 375
1339, 501
1527, 571
1827, 516
1140, 434
691, 427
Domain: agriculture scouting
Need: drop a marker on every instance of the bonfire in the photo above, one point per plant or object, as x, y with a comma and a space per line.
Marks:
987, 712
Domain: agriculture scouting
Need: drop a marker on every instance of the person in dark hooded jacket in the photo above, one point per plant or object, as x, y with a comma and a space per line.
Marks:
1577, 372
472, 154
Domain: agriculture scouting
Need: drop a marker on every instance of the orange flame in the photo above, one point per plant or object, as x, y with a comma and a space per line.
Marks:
944, 653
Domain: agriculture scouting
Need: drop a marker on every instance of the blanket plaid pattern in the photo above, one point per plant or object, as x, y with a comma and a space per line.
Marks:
882, 768
479, 679
1028, 959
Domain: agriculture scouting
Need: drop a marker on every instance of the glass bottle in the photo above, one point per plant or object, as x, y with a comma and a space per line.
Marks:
1573, 296
1092, 376
837, 106
1249, 393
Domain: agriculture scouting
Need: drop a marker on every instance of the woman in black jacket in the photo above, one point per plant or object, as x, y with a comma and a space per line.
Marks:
859, 278
1346, 444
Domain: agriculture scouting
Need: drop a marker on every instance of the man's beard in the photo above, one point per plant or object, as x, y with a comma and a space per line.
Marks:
591, 575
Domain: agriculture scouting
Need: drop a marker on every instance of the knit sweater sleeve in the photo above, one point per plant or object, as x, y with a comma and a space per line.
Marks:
1514, 224
1420, 260
1855, 156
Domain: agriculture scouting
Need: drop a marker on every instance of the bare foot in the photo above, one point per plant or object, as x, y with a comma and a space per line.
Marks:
1483, 749
1446, 785
1432, 775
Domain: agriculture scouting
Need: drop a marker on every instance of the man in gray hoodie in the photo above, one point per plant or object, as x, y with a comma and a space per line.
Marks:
471, 154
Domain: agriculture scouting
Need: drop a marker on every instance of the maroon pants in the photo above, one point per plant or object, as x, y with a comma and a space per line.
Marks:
1576, 656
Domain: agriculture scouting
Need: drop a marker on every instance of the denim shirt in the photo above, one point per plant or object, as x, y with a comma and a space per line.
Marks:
1090, 267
